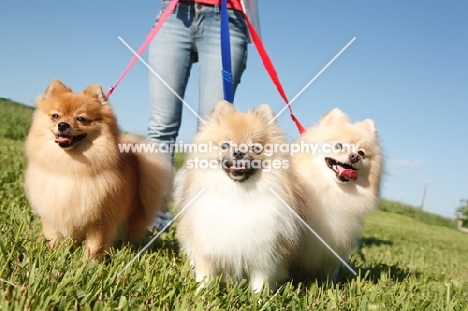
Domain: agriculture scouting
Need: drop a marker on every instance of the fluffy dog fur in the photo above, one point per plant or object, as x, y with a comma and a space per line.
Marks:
343, 186
237, 227
78, 181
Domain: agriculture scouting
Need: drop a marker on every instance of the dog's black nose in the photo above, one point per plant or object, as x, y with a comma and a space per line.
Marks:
354, 157
238, 155
63, 126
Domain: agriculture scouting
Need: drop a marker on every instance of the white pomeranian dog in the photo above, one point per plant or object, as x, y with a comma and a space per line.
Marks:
238, 227
342, 171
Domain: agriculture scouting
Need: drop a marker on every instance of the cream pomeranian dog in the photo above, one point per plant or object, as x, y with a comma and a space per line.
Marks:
342, 170
233, 221
78, 181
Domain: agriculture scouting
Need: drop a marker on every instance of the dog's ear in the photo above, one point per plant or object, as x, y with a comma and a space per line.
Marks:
367, 125
222, 108
334, 117
56, 87
266, 113
95, 90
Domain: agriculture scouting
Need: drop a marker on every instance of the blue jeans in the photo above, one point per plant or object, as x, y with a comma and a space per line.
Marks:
190, 34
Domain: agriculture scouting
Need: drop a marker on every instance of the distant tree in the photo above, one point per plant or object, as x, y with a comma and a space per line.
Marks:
463, 209
462, 215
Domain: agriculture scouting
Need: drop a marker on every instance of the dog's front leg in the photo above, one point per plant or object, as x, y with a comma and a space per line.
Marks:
98, 240
50, 234
204, 270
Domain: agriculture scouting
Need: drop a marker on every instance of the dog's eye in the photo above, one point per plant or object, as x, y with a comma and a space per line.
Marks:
338, 146
81, 119
225, 146
256, 148
362, 153
55, 116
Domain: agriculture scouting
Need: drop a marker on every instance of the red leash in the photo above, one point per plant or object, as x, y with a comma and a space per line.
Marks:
170, 8
267, 63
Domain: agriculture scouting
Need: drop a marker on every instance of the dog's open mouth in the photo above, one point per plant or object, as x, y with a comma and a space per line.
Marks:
344, 172
238, 170
66, 141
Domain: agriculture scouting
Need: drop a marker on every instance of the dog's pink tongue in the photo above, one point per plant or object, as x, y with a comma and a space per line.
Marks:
237, 169
347, 173
63, 139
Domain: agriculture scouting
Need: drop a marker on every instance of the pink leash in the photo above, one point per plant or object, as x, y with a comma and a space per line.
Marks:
148, 39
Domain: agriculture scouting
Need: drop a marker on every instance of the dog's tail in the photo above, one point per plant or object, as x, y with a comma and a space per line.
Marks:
154, 184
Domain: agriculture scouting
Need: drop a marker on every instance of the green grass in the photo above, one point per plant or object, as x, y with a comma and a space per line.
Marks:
14, 119
403, 263
415, 213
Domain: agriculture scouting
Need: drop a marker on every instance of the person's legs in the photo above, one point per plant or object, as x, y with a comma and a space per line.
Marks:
208, 44
171, 56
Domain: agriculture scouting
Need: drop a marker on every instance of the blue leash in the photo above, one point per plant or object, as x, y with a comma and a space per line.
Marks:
226, 72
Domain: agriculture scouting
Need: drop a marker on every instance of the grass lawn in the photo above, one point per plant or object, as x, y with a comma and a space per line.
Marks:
403, 262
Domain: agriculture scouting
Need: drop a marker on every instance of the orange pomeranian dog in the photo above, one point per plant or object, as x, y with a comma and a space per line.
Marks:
78, 181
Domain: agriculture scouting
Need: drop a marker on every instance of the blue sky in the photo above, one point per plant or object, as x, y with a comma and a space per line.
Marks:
407, 70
